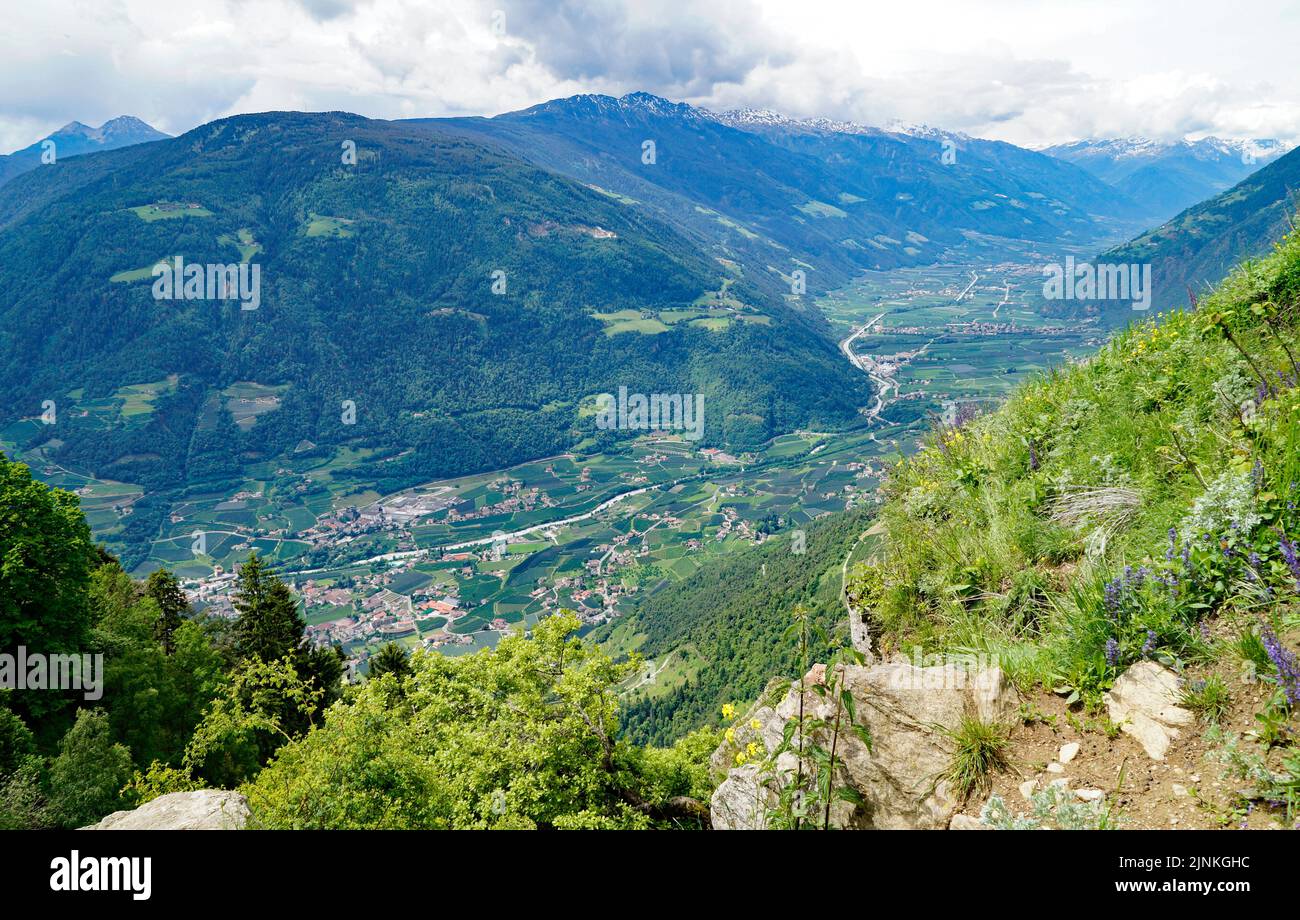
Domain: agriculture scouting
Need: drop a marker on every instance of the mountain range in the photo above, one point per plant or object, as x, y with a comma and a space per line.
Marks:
74, 139
467, 286
834, 196
464, 302
1197, 247
1165, 178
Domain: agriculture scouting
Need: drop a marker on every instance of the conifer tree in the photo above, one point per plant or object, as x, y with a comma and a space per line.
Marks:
165, 589
269, 625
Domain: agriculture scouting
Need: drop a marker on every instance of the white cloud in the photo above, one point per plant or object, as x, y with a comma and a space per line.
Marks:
1023, 71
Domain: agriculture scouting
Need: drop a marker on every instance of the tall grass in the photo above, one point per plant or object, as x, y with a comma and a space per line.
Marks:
1002, 534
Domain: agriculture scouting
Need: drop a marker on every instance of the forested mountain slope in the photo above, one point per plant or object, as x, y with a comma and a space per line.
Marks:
833, 198
446, 289
1198, 247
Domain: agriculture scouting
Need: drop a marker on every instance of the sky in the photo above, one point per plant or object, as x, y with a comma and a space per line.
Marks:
1026, 71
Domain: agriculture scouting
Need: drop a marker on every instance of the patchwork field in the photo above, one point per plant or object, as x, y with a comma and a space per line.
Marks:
592, 532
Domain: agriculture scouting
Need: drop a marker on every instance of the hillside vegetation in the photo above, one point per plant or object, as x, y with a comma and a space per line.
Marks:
379, 286
729, 623
1140, 505
1115, 509
1196, 248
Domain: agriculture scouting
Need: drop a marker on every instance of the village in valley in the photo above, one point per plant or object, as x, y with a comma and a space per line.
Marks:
454, 565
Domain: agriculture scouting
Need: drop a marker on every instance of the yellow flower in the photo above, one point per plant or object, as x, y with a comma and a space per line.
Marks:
740, 758
728, 710
755, 724
731, 735
751, 749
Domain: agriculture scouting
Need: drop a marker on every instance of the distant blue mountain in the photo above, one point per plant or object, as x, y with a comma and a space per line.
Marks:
770, 191
1165, 178
75, 138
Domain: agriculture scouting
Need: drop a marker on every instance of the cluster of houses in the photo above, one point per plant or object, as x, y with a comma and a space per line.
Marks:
516, 499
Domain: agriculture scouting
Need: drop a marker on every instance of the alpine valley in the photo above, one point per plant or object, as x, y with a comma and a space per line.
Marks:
533, 470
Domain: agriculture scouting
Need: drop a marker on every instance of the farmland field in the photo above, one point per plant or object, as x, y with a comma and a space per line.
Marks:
594, 532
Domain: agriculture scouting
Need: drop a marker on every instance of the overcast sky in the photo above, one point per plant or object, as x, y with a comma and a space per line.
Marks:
1027, 71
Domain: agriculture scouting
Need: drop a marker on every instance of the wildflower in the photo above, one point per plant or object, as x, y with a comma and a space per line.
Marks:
1288, 667
1112, 652
1114, 591
728, 710
741, 758
1257, 475
730, 735
1033, 457
1173, 544
755, 724
751, 749
1288, 553
1149, 646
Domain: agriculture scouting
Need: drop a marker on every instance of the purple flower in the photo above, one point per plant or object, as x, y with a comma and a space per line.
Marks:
1033, 457
1114, 591
1288, 667
1288, 553
1149, 646
1112, 652
1173, 544
1257, 475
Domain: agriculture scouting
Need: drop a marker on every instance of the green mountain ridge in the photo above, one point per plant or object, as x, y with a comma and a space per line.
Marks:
834, 201
377, 287
1198, 247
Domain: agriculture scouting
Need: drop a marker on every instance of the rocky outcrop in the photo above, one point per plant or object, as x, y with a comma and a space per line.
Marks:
899, 779
202, 810
1144, 703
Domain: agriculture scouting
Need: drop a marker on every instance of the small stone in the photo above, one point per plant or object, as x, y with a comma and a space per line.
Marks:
1179, 790
1194, 777
1090, 795
1063, 783
1027, 788
1055, 768
966, 823
1068, 751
